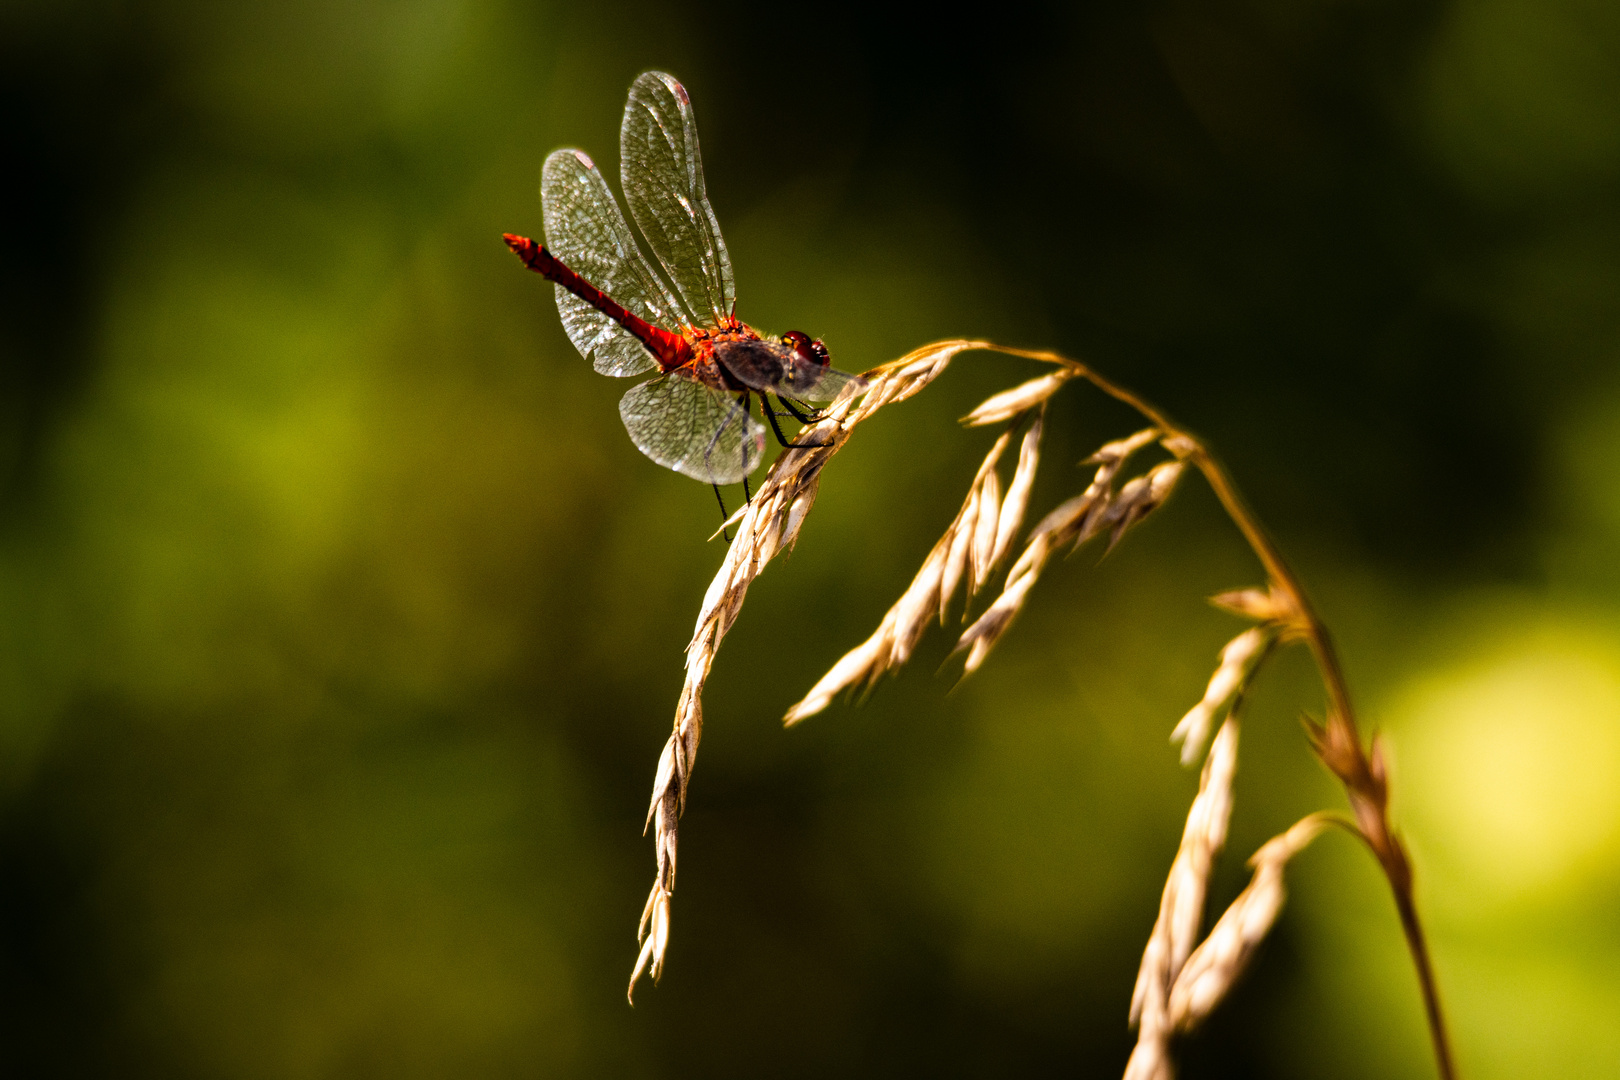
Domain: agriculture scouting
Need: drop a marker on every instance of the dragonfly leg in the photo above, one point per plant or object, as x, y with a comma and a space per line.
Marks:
803, 416
721, 499
738, 408
748, 496
803, 419
770, 414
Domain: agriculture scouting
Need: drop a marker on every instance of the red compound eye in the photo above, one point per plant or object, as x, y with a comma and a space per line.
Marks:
810, 350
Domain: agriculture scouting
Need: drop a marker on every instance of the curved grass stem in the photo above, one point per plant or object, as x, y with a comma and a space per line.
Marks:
1336, 740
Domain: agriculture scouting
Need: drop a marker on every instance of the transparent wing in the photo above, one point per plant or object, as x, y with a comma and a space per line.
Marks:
697, 431
815, 382
662, 173
585, 229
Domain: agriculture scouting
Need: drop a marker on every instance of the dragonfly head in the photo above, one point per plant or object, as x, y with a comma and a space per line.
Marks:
809, 350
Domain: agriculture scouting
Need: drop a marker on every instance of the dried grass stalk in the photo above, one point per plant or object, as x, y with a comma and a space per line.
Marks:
1182, 906
766, 526
1177, 985
1280, 620
1215, 965
976, 541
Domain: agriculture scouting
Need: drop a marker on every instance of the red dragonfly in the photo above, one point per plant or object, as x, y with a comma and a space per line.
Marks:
696, 416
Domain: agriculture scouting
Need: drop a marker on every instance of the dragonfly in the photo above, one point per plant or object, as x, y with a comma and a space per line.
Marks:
696, 414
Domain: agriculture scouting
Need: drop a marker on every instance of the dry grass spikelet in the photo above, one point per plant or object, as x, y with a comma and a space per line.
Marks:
1140, 497
1073, 523
1020, 399
1279, 620
968, 551
1270, 605
1016, 501
1181, 908
1182, 904
1215, 965
1239, 659
1150, 1058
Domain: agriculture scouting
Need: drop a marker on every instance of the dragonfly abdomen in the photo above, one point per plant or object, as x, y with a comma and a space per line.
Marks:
670, 349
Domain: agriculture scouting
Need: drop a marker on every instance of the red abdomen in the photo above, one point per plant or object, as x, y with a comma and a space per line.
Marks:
670, 349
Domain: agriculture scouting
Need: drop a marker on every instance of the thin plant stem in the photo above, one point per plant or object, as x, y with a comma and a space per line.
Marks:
1337, 741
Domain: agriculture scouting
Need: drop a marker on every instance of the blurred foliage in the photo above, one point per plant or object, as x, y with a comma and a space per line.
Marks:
340, 624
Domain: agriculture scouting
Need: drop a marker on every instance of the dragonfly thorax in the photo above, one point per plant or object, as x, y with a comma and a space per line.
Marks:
740, 359
754, 365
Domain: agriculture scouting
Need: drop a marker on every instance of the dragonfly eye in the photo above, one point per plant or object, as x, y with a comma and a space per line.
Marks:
813, 351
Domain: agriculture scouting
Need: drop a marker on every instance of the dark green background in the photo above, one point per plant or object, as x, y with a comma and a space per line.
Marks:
340, 623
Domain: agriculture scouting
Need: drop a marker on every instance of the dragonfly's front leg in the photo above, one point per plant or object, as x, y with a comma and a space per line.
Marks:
795, 413
793, 410
724, 517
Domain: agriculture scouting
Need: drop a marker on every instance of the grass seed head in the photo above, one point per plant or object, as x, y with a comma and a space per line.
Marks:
1216, 964
1020, 399
1017, 498
1239, 658
1177, 984
987, 629
961, 537
1182, 903
1140, 497
768, 525
1115, 453
918, 606
1150, 1058
654, 917
984, 532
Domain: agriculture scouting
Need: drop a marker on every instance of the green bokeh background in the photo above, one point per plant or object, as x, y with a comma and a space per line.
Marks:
341, 624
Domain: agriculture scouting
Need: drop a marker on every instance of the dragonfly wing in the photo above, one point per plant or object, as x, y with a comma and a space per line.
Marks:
585, 229
697, 431
816, 382
662, 173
